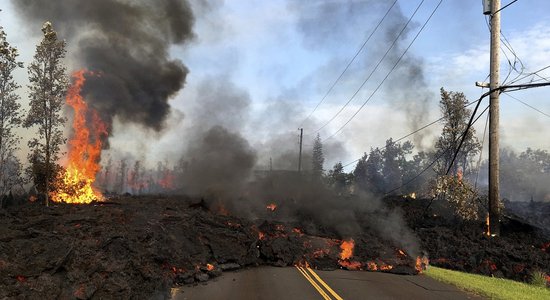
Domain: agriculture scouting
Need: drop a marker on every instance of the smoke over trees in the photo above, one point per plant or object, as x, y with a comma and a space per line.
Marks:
127, 43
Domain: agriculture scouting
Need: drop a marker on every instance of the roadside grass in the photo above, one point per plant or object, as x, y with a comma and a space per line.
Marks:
490, 287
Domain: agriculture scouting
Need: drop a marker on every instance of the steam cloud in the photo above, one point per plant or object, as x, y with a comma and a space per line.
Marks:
127, 43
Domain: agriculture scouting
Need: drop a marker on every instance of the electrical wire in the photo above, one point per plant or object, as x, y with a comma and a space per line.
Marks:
409, 134
436, 159
349, 63
389, 73
373, 70
528, 105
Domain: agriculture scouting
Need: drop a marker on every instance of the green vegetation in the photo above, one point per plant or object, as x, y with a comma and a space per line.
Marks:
491, 287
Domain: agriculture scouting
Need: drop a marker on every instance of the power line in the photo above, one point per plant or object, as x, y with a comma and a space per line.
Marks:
435, 160
387, 75
526, 104
350, 62
409, 134
504, 7
402, 138
374, 69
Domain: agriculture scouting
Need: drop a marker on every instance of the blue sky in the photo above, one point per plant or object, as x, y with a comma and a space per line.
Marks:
283, 55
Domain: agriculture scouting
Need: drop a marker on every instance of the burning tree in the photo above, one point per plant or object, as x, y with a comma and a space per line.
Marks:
48, 88
10, 116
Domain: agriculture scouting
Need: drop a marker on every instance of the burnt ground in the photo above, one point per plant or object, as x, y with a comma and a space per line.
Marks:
140, 247
522, 248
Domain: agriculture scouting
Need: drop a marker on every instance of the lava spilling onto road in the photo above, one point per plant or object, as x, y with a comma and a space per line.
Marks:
84, 148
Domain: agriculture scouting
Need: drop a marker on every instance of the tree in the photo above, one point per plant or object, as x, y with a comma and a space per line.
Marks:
395, 161
455, 121
368, 172
10, 117
338, 178
48, 88
317, 159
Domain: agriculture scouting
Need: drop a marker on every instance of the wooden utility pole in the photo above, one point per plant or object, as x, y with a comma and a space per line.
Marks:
494, 156
300, 155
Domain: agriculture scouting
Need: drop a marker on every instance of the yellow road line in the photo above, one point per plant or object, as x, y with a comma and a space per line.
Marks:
315, 285
336, 296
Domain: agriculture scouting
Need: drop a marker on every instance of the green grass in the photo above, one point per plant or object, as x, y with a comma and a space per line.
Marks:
490, 287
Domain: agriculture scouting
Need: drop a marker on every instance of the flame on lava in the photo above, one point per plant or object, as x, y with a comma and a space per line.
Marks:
298, 231
261, 235
421, 263
402, 252
84, 150
272, 206
346, 254
209, 267
347, 249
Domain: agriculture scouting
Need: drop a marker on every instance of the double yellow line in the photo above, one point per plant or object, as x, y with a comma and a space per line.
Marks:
313, 278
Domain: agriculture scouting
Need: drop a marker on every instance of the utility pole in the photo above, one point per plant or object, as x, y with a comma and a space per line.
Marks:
494, 155
300, 155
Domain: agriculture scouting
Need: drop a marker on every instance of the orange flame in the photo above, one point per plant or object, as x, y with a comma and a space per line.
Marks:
421, 263
84, 149
347, 249
402, 252
209, 267
351, 265
272, 206
167, 181
488, 226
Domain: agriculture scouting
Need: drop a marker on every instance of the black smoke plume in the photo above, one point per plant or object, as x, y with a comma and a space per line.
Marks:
127, 44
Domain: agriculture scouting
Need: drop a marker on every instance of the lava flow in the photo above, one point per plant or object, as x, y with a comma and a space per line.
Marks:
346, 254
84, 149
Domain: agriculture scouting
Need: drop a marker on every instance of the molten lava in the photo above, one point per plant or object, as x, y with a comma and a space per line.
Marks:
209, 267
84, 149
272, 206
347, 249
346, 254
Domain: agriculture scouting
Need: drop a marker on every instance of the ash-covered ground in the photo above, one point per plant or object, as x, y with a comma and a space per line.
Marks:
141, 247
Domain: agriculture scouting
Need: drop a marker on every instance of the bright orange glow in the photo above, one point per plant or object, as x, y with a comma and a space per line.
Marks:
84, 150
167, 180
488, 232
347, 249
401, 252
272, 206
298, 231
372, 266
386, 267
350, 265
421, 263
209, 267
261, 235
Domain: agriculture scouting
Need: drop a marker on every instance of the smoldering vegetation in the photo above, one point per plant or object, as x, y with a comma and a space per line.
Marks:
126, 44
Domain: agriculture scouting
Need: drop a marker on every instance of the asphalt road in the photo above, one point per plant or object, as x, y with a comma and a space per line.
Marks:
271, 283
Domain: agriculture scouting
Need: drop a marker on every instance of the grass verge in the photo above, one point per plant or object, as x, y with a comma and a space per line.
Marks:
491, 287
